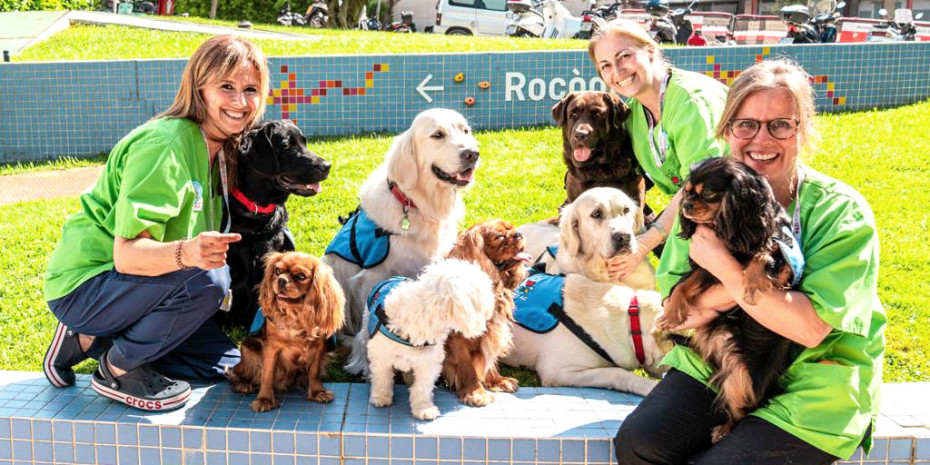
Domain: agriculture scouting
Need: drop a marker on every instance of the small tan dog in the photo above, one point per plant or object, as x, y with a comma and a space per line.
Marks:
303, 306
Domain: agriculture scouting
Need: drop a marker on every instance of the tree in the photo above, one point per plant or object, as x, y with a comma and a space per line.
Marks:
344, 13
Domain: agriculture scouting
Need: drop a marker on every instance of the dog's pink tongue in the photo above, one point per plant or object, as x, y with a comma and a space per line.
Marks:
524, 257
582, 153
315, 187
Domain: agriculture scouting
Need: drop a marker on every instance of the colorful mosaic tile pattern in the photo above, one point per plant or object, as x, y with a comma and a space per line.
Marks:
84, 108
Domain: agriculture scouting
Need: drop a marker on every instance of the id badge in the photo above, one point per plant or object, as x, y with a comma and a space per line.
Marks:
226, 304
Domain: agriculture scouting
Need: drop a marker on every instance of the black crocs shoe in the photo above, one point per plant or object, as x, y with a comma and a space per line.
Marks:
63, 353
142, 388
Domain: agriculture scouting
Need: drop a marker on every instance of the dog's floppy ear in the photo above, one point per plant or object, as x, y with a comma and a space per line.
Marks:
570, 231
688, 227
402, 161
266, 294
559, 109
618, 109
470, 247
325, 299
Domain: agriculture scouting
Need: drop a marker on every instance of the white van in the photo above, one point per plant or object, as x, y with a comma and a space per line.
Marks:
471, 17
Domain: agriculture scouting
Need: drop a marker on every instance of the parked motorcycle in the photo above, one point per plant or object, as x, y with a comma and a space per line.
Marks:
317, 14
404, 25
814, 23
593, 20
286, 17
526, 18
669, 27
904, 20
887, 30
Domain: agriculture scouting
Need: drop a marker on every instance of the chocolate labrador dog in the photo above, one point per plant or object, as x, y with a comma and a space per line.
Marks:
274, 162
597, 150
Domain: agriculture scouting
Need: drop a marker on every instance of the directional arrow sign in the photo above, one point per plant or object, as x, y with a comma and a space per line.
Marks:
422, 88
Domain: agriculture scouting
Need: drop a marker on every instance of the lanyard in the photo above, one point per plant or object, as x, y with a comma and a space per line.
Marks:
655, 130
796, 219
223, 180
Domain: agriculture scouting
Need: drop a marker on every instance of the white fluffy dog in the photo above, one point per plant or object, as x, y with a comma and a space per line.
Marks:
411, 205
412, 319
601, 223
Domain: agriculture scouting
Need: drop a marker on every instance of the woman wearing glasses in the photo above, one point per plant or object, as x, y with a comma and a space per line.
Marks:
830, 398
671, 124
140, 270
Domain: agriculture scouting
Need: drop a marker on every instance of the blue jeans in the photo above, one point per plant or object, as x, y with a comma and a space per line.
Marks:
162, 320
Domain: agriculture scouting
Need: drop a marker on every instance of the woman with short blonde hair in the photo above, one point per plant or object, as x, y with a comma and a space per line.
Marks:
828, 401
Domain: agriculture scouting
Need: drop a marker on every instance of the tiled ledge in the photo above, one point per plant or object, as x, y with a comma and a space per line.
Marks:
40, 424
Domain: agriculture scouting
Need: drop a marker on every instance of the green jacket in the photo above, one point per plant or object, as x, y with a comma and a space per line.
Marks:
829, 405
156, 179
693, 106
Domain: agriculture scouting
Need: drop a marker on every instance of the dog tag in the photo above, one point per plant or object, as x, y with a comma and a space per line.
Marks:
226, 304
405, 223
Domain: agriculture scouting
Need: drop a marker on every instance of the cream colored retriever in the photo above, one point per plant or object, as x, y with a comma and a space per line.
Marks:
600, 224
410, 207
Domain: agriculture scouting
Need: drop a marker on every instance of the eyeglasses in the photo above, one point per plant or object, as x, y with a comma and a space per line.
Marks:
780, 128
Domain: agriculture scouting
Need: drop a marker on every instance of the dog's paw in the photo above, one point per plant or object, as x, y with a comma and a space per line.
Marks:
380, 400
719, 432
263, 404
504, 384
323, 397
243, 388
428, 413
478, 398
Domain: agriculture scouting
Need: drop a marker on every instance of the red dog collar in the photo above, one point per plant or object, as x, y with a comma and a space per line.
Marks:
636, 331
403, 199
250, 205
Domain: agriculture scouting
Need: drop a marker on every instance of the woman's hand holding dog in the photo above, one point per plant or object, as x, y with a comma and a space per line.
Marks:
208, 249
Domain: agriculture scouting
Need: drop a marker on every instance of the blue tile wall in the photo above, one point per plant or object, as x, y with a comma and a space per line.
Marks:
84, 108
566, 426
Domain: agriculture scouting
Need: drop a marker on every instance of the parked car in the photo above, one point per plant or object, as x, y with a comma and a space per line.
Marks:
471, 17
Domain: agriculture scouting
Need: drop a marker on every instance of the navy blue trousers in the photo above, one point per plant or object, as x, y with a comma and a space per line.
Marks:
162, 320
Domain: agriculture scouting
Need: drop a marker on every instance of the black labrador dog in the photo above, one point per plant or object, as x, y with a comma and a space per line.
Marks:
274, 162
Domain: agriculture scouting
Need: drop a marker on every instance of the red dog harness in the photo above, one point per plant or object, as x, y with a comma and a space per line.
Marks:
636, 331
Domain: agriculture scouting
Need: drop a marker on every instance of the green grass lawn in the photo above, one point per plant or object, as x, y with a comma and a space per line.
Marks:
119, 42
880, 153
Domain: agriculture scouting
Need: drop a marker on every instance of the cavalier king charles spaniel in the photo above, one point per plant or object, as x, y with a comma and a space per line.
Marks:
303, 306
470, 367
747, 358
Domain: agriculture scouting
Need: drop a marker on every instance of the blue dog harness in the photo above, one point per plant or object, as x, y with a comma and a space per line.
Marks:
540, 307
377, 318
539, 266
361, 241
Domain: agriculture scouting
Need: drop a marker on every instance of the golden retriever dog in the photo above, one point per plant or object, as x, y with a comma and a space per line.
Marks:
410, 208
303, 306
586, 330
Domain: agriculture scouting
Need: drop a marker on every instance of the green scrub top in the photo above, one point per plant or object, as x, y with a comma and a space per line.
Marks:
831, 392
156, 179
693, 106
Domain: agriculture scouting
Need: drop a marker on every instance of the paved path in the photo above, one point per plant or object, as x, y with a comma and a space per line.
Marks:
46, 184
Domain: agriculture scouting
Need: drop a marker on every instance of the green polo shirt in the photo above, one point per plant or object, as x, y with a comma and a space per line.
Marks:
156, 179
693, 106
831, 391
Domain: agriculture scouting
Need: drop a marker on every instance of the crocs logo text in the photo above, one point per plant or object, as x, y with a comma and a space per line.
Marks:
143, 404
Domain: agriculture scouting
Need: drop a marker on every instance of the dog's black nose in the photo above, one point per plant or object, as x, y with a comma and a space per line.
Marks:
282, 282
324, 167
469, 156
687, 205
620, 239
518, 235
582, 134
